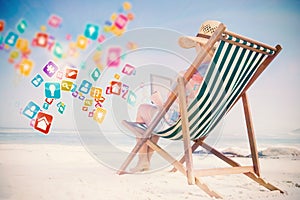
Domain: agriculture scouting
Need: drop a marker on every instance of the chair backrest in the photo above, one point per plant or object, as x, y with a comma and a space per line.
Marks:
236, 64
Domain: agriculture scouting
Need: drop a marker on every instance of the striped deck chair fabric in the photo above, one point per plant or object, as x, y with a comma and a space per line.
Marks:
228, 74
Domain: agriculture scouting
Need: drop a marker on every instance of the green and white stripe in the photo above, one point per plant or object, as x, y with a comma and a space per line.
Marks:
229, 72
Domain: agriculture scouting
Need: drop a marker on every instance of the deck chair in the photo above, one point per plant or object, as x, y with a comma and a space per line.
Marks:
237, 62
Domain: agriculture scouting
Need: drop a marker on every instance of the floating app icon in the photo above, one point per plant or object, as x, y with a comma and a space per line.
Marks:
96, 92
115, 87
45, 106
126, 5
37, 80
50, 69
58, 50
66, 85
59, 75
41, 39
61, 107
74, 86
21, 26
75, 94
121, 21
117, 76
14, 54
85, 108
51, 42
26, 66
91, 31
131, 99
71, 73
31, 110
85, 87
49, 101
99, 115
128, 69
101, 38
95, 74
125, 89
43, 122
52, 90
88, 102
22, 44
54, 21
91, 113
113, 57
2, 25
11, 39
82, 42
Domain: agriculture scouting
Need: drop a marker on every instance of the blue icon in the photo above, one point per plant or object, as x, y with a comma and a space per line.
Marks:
52, 90
91, 31
22, 25
95, 74
61, 107
74, 86
37, 80
11, 39
31, 110
46, 106
85, 87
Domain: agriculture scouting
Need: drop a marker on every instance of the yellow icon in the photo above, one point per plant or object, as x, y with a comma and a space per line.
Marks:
117, 76
82, 42
43, 28
88, 102
66, 85
96, 92
115, 30
99, 115
26, 66
113, 17
126, 5
22, 44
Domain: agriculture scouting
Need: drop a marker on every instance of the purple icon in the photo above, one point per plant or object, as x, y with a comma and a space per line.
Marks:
50, 69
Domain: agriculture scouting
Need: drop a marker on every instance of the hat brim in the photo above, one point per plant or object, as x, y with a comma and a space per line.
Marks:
190, 42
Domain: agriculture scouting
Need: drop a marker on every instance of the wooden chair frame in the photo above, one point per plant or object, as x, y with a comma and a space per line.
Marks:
192, 174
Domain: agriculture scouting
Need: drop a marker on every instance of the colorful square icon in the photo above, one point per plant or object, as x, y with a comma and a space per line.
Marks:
115, 87
121, 21
128, 69
85, 87
74, 86
95, 74
113, 57
41, 39
52, 90
26, 66
131, 99
46, 106
11, 39
91, 31
49, 101
50, 68
22, 44
37, 80
31, 110
58, 50
82, 42
43, 122
61, 107
21, 26
2, 25
88, 102
71, 73
54, 21
96, 92
66, 85
59, 75
99, 115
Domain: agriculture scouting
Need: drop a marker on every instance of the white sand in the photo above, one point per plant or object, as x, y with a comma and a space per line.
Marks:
46, 171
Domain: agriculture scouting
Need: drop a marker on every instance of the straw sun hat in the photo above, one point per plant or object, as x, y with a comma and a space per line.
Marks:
206, 30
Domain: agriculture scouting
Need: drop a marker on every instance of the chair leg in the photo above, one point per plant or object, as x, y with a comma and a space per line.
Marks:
251, 136
185, 131
179, 166
231, 162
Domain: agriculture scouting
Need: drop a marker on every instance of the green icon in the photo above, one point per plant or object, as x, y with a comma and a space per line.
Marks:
95, 74
58, 50
22, 25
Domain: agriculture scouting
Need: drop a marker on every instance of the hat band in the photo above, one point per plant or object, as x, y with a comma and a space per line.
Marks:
203, 35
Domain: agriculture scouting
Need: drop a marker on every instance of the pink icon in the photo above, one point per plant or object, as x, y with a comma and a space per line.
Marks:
113, 56
128, 69
54, 21
121, 21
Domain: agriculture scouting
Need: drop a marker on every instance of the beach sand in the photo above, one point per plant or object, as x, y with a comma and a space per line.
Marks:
54, 171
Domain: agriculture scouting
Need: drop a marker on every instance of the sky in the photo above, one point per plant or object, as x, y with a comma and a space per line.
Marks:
274, 98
